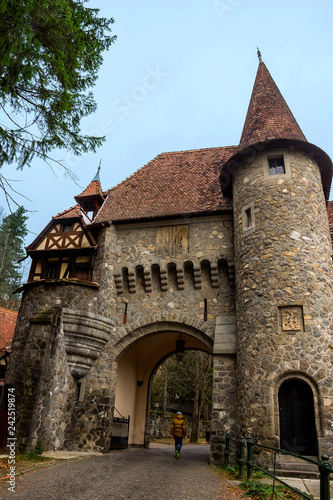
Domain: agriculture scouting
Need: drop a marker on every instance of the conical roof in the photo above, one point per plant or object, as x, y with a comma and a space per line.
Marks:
268, 116
94, 189
269, 124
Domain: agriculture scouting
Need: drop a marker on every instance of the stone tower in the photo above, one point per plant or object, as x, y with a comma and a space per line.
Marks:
283, 265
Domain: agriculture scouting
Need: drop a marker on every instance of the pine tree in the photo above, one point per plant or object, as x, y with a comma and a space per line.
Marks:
50, 52
13, 230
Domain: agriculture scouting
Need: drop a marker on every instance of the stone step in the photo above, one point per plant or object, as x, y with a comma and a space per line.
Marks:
289, 466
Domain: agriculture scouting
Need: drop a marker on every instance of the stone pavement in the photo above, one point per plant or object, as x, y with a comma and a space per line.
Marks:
135, 474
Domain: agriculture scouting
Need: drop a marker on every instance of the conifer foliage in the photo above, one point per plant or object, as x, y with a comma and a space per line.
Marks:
50, 52
13, 230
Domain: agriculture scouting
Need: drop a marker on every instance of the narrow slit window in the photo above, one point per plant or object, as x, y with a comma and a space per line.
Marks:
248, 217
276, 166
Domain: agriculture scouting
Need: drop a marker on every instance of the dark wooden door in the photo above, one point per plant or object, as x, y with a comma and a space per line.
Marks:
297, 420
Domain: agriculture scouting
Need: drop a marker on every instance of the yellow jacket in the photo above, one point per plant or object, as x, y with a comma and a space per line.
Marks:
178, 427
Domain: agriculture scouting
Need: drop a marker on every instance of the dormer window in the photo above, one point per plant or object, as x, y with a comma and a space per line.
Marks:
276, 166
67, 229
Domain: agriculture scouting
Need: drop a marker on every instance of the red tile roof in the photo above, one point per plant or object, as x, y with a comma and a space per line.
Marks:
330, 217
7, 326
93, 189
71, 213
172, 184
270, 124
268, 116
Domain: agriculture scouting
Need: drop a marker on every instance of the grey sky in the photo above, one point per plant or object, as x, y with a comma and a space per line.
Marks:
180, 76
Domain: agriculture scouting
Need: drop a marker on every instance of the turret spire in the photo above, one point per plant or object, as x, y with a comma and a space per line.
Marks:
97, 178
259, 54
268, 116
91, 199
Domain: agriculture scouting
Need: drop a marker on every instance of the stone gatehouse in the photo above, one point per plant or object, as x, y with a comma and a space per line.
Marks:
226, 250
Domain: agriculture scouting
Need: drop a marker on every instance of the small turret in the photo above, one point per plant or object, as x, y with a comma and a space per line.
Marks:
91, 199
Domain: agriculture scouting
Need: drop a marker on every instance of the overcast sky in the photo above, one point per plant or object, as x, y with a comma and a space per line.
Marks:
180, 77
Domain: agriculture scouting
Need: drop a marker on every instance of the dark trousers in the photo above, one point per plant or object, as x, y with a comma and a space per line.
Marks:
178, 443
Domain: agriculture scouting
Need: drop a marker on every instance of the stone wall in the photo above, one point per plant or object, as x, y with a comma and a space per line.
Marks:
177, 277
284, 292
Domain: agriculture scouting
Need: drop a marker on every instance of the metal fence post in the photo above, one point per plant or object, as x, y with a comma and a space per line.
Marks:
249, 462
324, 469
226, 449
241, 459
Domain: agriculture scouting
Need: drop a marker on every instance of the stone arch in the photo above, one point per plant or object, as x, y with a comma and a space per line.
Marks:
139, 275
291, 375
172, 275
125, 281
188, 274
174, 322
137, 353
205, 267
156, 277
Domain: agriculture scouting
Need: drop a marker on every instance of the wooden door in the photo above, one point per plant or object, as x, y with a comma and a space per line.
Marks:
297, 420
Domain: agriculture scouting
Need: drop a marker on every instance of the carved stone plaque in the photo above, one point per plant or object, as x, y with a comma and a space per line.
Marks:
291, 319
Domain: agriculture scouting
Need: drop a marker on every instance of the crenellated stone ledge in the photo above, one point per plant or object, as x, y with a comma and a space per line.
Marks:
129, 280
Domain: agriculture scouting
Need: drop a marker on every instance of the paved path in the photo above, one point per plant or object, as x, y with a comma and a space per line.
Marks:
125, 475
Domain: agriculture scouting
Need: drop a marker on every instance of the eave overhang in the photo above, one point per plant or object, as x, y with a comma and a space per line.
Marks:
248, 154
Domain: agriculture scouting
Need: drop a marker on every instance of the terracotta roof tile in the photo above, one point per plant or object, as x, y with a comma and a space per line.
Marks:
7, 326
268, 116
71, 213
172, 184
93, 189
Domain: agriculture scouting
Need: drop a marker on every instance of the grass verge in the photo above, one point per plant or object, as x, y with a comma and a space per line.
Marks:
257, 489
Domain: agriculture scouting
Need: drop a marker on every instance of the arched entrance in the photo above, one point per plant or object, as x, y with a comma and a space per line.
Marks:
297, 418
136, 363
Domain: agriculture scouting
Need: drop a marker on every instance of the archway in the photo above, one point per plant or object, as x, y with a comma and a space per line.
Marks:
138, 361
297, 418
182, 382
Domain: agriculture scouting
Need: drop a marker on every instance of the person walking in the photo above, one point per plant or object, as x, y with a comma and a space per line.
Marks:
178, 431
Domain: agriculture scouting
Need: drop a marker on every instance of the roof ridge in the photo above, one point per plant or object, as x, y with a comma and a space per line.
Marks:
66, 211
195, 150
163, 154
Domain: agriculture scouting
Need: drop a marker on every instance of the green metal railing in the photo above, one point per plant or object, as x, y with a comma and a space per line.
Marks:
324, 466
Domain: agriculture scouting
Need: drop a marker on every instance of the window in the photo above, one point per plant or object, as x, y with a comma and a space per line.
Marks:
248, 217
52, 271
276, 166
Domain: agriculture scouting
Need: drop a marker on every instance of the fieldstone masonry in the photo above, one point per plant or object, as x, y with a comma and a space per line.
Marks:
243, 272
284, 293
